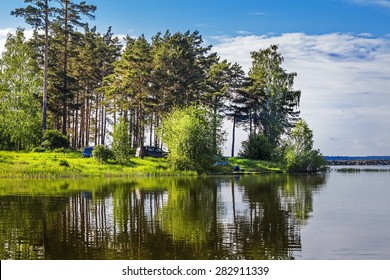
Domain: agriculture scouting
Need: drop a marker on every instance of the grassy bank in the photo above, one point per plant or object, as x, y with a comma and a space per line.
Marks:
259, 166
72, 165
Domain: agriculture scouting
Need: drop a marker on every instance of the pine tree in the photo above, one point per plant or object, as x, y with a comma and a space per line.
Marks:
69, 16
38, 15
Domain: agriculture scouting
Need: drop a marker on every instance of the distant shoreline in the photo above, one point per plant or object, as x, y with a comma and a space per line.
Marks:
358, 160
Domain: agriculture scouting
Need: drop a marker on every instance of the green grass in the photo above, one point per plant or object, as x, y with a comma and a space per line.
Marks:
71, 164
248, 166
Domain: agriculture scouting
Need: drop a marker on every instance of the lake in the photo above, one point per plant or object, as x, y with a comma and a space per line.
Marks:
339, 215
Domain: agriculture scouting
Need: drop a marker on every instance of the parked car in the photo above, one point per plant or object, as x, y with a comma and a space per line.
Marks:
87, 152
149, 151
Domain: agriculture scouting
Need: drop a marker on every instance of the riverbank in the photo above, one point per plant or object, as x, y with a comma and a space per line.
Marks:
72, 165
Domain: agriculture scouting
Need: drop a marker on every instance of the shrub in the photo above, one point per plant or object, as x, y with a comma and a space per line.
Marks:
300, 156
46, 145
64, 162
60, 150
257, 147
39, 150
188, 134
121, 142
54, 139
102, 153
308, 161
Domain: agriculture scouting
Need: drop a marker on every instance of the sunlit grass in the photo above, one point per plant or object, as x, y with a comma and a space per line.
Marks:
248, 165
71, 164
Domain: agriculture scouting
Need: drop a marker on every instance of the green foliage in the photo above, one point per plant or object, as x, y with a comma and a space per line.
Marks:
272, 98
121, 142
60, 150
300, 156
301, 137
102, 153
46, 144
307, 161
39, 150
188, 135
180, 61
64, 163
257, 147
54, 139
20, 112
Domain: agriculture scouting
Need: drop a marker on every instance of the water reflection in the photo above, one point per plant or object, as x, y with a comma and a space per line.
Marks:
247, 217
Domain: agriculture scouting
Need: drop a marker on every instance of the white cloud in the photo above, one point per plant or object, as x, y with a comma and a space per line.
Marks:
345, 83
243, 32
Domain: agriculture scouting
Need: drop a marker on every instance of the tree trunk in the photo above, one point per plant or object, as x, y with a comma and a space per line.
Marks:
46, 66
151, 130
233, 134
140, 126
157, 122
96, 120
82, 126
103, 124
65, 81
87, 122
215, 150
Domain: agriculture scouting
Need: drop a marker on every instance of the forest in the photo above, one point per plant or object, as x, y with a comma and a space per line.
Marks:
71, 78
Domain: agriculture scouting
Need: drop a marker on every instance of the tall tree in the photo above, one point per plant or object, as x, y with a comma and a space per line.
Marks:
273, 98
180, 67
222, 84
69, 17
109, 50
131, 84
38, 15
85, 67
19, 91
236, 109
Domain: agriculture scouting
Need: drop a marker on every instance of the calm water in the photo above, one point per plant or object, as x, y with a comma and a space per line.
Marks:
333, 216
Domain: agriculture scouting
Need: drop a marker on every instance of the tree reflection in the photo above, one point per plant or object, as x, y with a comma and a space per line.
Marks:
249, 217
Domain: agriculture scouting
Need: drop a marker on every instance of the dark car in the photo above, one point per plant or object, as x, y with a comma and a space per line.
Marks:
87, 152
149, 151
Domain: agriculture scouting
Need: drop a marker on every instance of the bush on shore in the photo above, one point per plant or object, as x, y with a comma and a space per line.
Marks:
53, 139
102, 153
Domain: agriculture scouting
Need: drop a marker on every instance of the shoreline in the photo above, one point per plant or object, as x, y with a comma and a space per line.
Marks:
360, 162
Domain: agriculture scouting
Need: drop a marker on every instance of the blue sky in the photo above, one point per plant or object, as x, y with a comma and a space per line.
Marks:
340, 50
